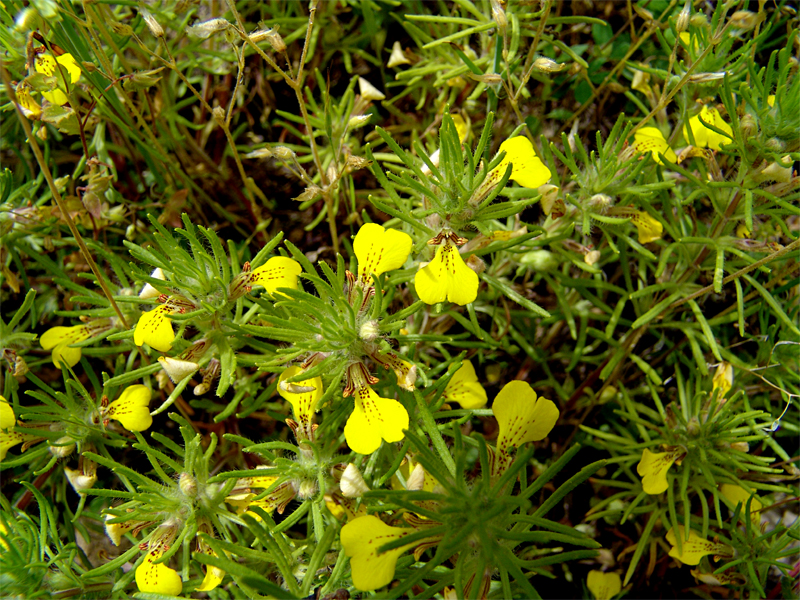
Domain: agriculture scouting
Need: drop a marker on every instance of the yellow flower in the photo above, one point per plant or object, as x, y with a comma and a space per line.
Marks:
527, 168
374, 418
690, 41
114, 531
278, 272
155, 329
723, 379
46, 64
705, 137
650, 139
302, 395
465, 388
214, 575
771, 100
405, 372
131, 409
653, 469
242, 495
9, 439
29, 107
447, 277
60, 340
157, 578
737, 494
649, 228
695, 548
603, 586
379, 250
521, 417
361, 538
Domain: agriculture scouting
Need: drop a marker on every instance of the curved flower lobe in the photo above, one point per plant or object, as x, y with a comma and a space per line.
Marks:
361, 539
278, 272
447, 277
154, 328
379, 250
131, 409
650, 139
374, 418
653, 469
157, 578
465, 388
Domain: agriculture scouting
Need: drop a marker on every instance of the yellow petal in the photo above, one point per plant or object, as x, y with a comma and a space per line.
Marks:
521, 416
528, 170
650, 139
723, 379
60, 339
30, 108
155, 329
214, 576
771, 100
603, 586
695, 548
653, 469
379, 250
9, 439
704, 136
7, 419
405, 372
71, 66
737, 494
56, 97
46, 64
374, 418
132, 408
649, 228
461, 127
157, 578
278, 272
447, 277
302, 395
465, 388
361, 539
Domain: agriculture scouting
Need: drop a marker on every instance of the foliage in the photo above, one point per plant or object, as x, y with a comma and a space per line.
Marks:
474, 299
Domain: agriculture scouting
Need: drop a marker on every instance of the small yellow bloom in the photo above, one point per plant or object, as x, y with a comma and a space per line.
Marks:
374, 418
278, 272
361, 538
46, 64
650, 139
157, 578
737, 494
131, 409
653, 469
9, 439
114, 531
465, 388
705, 137
447, 277
527, 169
379, 250
604, 586
723, 379
60, 340
242, 495
154, 328
29, 107
521, 418
214, 575
695, 548
771, 100
649, 228
302, 395
690, 41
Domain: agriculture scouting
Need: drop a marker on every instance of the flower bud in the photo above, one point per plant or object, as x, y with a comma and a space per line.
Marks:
369, 331
706, 77
63, 447
397, 57
548, 66
369, 91
748, 126
260, 153
356, 163
80, 480
601, 201
152, 24
275, 40
187, 485
352, 483
591, 257
148, 291
141, 80
698, 19
121, 29
312, 192
283, 153
219, 114
358, 121
740, 446
207, 28
539, 260
775, 145
745, 20
683, 19
307, 489
176, 369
